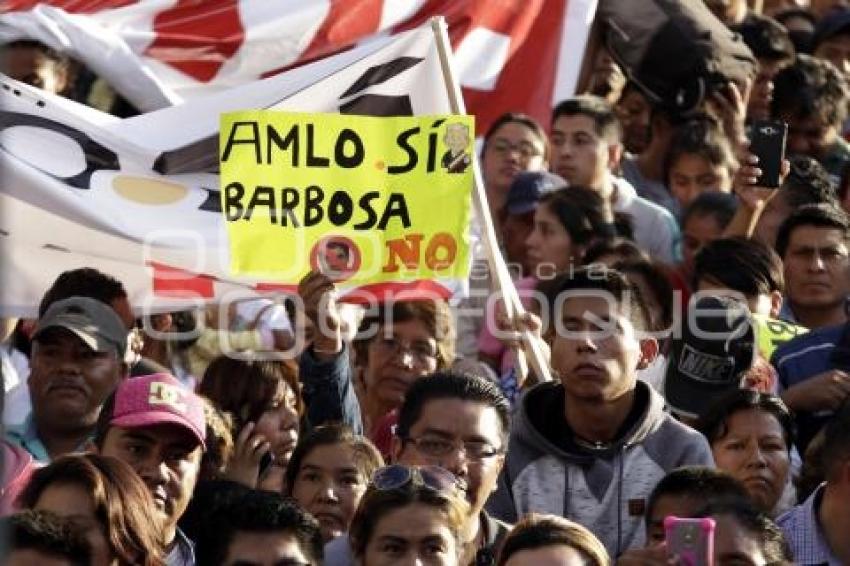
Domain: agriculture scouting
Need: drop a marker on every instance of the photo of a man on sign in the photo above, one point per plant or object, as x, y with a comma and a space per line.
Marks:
336, 257
457, 158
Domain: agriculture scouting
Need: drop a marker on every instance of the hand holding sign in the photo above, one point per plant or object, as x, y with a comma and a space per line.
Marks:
319, 295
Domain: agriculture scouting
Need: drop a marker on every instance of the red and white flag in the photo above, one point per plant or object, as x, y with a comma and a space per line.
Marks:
139, 197
511, 55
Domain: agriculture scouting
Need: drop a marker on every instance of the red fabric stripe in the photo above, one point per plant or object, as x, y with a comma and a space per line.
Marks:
347, 22
197, 36
175, 282
397, 290
535, 30
70, 6
276, 287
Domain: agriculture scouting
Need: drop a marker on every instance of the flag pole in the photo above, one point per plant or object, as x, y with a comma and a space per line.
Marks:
504, 283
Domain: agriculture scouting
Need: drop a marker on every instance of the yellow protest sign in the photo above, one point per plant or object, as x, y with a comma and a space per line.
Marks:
363, 199
772, 333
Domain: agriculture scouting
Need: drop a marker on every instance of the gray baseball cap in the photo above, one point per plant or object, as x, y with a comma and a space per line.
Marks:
93, 322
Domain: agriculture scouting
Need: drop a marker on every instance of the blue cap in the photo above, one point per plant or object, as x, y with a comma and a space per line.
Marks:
528, 188
835, 22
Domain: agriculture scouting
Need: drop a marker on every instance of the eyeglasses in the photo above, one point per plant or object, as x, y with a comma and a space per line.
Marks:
438, 447
526, 149
421, 352
432, 477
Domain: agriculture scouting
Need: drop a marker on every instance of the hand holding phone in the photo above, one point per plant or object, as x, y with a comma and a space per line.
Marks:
251, 457
691, 540
767, 142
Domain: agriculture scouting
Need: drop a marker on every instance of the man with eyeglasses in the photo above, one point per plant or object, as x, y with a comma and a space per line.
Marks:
398, 342
460, 423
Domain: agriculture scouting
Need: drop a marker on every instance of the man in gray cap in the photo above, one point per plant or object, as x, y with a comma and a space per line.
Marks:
77, 361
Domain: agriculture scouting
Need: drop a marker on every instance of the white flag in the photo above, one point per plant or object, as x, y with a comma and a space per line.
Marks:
143, 191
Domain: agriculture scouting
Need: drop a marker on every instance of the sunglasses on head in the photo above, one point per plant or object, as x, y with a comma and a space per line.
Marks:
432, 477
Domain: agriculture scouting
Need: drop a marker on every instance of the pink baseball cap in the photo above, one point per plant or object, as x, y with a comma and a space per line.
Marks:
159, 398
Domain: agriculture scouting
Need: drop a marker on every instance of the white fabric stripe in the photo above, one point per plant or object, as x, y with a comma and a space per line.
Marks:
578, 19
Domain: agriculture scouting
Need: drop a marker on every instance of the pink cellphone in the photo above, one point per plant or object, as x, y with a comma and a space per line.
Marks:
692, 540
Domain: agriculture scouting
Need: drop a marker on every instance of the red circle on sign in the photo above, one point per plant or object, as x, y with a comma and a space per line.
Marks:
337, 257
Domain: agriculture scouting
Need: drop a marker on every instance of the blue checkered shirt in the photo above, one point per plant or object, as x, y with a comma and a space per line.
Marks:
803, 533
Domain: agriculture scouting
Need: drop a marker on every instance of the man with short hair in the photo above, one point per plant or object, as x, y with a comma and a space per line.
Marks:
807, 183
681, 493
771, 44
157, 426
745, 267
92, 283
814, 244
586, 149
261, 528
459, 422
818, 530
831, 41
42, 538
811, 97
812, 368
592, 446
77, 361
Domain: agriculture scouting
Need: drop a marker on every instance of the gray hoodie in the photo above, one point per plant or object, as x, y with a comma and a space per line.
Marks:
605, 489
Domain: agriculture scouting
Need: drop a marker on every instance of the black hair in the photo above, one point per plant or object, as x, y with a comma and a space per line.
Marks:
341, 246
597, 278
721, 206
743, 265
517, 118
580, 210
701, 135
258, 512
713, 423
820, 215
367, 458
766, 38
696, 483
604, 118
45, 533
623, 248
771, 540
807, 183
83, 282
810, 87
452, 385
658, 282
836, 442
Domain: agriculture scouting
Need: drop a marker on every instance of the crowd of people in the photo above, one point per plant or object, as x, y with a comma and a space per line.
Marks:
695, 325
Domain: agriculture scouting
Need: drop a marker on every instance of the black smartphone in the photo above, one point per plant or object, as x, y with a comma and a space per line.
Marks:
767, 141
265, 464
